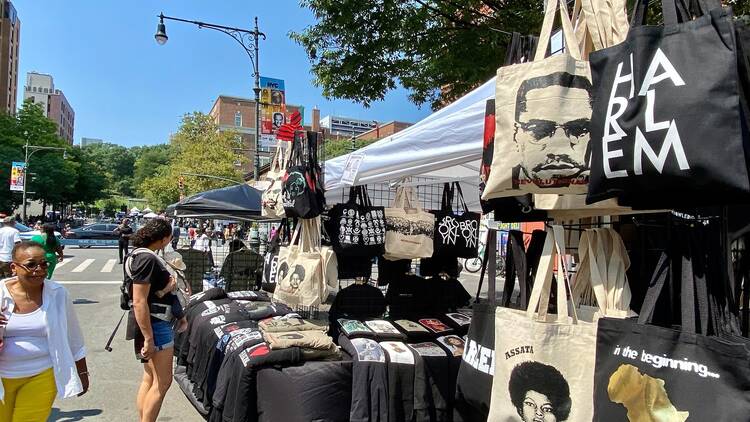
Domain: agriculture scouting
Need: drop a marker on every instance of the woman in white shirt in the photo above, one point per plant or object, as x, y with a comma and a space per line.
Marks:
42, 355
202, 242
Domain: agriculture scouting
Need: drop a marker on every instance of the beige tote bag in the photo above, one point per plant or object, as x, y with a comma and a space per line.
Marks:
409, 230
303, 284
542, 113
271, 198
544, 363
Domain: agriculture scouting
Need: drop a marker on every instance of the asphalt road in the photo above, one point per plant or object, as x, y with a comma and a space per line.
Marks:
92, 277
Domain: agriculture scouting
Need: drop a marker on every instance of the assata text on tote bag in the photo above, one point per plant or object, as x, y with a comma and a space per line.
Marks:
543, 109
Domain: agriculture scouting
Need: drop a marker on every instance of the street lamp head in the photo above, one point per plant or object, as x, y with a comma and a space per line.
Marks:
161, 31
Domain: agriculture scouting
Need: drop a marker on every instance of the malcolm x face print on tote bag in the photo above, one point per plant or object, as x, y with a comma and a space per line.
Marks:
542, 117
552, 140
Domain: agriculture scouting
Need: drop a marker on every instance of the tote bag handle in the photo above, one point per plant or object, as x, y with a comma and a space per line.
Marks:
571, 43
553, 253
602, 265
279, 161
405, 199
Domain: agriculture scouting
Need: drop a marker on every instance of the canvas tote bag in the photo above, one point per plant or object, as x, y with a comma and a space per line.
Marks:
544, 362
543, 109
650, 373
666, 118
304, 282
409, 230
273, 205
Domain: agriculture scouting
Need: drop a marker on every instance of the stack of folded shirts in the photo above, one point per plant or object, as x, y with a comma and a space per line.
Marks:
295, 332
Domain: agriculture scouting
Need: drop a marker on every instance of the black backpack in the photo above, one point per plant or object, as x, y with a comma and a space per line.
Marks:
126, 300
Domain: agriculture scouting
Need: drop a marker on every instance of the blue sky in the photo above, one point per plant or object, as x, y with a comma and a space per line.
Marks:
128, 90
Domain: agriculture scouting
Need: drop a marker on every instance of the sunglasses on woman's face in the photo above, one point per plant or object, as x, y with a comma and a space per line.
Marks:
33, 266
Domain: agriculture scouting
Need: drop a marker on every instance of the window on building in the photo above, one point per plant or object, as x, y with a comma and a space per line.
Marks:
238, 119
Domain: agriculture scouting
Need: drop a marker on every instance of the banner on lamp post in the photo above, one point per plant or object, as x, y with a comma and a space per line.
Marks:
17, 175
273, 98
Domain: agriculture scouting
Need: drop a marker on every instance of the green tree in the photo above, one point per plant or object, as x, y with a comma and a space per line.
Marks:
360, 49
335, 148
117, 163
51, 178
199, 148
11, 142
149, 160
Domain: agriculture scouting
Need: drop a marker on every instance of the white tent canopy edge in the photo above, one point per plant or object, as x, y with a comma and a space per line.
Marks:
444, 146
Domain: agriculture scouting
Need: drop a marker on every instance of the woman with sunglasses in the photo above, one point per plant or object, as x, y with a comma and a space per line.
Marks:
42, 355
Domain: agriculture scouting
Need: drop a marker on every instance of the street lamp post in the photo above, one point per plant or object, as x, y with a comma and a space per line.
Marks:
30, 150
243, 37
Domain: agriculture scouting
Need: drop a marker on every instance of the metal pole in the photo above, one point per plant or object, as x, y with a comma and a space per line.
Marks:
25, 177
256, 172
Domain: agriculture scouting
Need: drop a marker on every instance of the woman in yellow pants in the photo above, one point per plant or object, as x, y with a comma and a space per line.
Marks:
42, 356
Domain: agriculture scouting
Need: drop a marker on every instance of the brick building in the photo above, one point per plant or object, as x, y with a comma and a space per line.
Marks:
383, 130
40, 88
237, 114
10, 37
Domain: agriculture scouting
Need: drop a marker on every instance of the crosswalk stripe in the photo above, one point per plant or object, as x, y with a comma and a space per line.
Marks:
83, 266
65, 261
109, 266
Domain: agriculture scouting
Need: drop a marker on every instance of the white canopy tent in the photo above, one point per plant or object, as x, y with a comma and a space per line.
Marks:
445, 146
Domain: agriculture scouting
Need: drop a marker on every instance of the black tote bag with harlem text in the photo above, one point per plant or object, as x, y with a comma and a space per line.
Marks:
666, 123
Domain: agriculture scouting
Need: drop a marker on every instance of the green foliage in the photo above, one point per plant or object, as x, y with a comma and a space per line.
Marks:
359, 49
149, 160
116, 163
335, 148
110, 205
198, 147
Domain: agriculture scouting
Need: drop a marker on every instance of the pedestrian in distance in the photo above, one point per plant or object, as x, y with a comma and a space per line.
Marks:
42, 353
9, 236
53, 250
175, 235
124, 231
202, 242
154, 337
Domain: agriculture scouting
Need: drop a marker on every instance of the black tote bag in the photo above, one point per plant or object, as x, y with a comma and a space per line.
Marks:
357, 228
658, 373
271, 259
302, 193
456, 234
666, 117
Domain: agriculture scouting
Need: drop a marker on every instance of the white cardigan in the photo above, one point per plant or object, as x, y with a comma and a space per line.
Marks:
63, 333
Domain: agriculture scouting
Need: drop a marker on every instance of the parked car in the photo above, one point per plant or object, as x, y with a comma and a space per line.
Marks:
97, 234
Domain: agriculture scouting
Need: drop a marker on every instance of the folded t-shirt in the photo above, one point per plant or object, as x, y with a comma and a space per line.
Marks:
308, 339
398, 352
454, 344
332, 353
435, 325
413, 330
428, 349
289, 324
249, 295
352, 327
384, 330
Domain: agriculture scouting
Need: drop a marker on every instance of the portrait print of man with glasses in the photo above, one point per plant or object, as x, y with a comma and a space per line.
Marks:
552, 137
